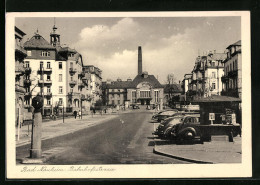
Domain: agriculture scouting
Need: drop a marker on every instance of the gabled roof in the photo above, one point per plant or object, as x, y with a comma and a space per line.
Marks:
238, 43
37, 41
150, 79
174, 88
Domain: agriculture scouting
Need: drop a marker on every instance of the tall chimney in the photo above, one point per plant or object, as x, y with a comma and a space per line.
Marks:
139, 60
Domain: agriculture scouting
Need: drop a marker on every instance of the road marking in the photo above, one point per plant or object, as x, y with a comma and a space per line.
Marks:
137, 136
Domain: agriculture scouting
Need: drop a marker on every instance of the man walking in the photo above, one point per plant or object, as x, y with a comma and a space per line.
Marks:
75, 114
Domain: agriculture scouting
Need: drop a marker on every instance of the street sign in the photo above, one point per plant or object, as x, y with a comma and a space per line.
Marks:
212, 116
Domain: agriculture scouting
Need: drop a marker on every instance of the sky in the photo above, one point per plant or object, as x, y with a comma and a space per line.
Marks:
170, 45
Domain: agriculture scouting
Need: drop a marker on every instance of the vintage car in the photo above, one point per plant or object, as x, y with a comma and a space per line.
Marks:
168, 112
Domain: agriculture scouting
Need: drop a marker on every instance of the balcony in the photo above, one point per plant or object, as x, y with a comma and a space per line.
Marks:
72, 82
73, 95
19, 70
224, 78
20, 89
48, 94
45, 70
81, 85
27, 82
232, 74
28, 94
28, 70
45, 82
230, 92
72, 70
82, 74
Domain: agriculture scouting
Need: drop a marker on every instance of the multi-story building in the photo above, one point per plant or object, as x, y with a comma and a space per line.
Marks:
232, 79
144, 89
54, 72
95, 82
206, 75
20, 54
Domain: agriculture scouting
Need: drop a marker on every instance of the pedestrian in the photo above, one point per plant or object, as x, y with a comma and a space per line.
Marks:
79, 114
75, 114
94, 111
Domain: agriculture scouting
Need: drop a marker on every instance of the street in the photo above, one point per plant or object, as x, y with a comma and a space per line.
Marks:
126, 139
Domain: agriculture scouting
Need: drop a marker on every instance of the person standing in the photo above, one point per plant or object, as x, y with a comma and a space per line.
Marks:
79, 114
75, 114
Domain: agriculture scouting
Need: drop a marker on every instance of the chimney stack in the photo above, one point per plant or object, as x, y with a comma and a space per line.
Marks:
139, 60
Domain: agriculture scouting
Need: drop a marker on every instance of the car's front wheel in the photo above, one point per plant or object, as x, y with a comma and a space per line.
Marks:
189, 135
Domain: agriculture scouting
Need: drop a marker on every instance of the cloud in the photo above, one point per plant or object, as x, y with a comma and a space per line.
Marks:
114, 48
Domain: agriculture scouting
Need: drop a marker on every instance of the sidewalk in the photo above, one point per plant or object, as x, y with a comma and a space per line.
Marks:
217, 151
57, 128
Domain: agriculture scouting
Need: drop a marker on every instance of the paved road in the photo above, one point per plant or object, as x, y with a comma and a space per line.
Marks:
123, 140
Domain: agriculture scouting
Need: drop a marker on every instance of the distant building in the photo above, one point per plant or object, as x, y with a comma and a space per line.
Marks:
232, 79
20, 54
206, 75
144, 89
186, 81
95, 82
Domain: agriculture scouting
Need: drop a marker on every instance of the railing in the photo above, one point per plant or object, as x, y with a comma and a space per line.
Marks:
232, 73
45, 81
72, 82
28, 70
45, 70
27, 82
28, 94
72, 70
48, 94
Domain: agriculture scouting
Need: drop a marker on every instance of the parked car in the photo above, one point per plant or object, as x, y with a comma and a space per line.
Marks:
166, 124
187, 128
136, 107
162, 117
168, 112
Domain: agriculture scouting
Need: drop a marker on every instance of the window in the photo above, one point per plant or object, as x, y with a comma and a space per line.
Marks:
71, 55
45, 53
48, 89
213, 86
48, 77
48, 102
48, 65
41, 65
71, 65
60, 101
27, 64
60, 89
133, 96
71, 77
118, 102
60, 65
60, 77
113, 102
29, 53
213, 74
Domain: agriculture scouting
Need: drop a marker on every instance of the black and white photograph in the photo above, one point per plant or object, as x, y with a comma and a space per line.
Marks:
128, 95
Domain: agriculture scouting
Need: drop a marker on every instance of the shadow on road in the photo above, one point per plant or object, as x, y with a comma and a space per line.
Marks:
151, 143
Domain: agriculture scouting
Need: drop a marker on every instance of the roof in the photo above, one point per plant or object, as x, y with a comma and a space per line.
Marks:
19, 31
218, 56
37, 41
215, 98
238, 43
66, 49
119, 85
150, 79
176, 88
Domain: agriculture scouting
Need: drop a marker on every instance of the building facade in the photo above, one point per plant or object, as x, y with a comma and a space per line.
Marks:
55, 73
95, 83
232, 79
206, 75
20, 54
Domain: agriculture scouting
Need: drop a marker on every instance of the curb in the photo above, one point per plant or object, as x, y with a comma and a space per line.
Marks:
179, 158
62, 134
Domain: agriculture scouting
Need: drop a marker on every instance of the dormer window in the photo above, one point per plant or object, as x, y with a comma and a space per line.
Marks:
45, 53
71, 54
